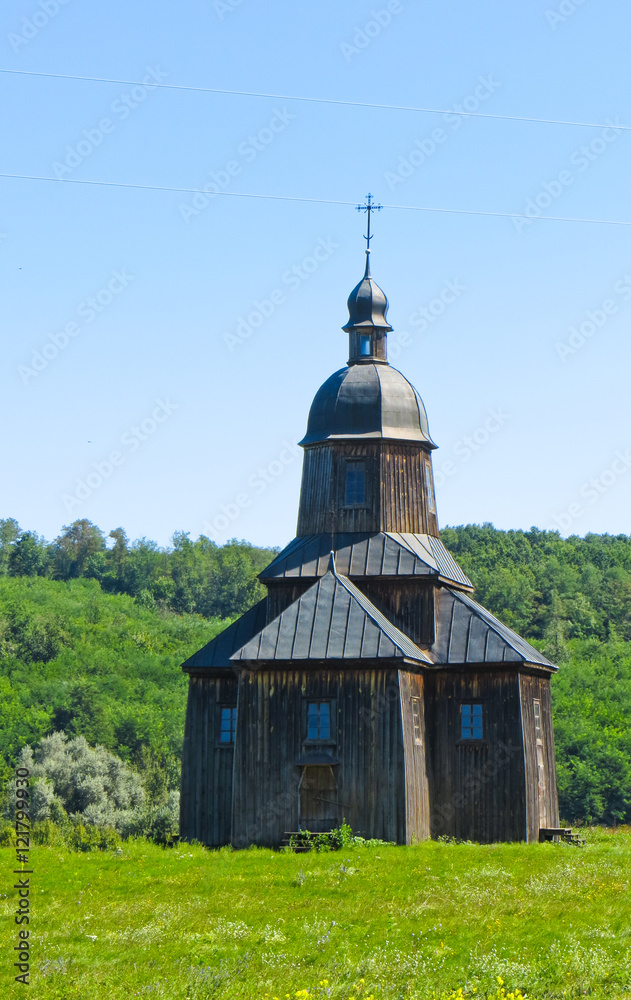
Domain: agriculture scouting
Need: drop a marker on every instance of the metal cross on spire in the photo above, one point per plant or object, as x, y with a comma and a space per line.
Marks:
368, 208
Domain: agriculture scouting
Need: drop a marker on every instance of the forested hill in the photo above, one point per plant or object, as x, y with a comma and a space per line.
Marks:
547, 587
93, 631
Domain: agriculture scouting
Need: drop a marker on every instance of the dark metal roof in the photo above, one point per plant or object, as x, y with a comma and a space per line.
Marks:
216, 653
468, 633
332, 620
367, 304
371, 400
362, 554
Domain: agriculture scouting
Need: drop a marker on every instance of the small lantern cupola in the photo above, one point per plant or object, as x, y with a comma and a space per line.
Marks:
367, 325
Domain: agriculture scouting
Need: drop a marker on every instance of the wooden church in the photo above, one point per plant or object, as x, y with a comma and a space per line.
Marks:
368, 685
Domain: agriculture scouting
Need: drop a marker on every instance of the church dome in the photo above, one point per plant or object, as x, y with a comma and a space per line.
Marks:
367, 401
367, 304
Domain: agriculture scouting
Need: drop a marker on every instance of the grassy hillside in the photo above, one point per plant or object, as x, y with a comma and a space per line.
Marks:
385, 922
76, 659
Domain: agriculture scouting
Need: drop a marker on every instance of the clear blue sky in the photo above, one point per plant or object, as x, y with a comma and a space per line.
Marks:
164, 327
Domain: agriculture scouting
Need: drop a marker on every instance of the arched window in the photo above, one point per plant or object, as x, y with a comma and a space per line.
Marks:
364, 345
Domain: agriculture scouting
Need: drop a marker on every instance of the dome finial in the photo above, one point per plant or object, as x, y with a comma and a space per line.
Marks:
368, 208
367, 307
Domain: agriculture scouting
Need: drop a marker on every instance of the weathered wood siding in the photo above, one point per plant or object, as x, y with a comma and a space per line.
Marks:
366, 739
538, 688
408, 604
405, 505
477, 790
417, 813
206, 790
282, 593
396, 494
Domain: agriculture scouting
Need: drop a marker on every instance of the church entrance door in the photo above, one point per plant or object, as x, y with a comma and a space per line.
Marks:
318, 807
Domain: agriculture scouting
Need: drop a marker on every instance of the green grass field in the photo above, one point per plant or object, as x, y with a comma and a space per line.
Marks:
387, 922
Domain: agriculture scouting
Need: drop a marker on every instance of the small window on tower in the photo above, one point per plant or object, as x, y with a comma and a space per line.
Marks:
429, 484
228, 725
355, 486
471, 722
364, 345
319, 721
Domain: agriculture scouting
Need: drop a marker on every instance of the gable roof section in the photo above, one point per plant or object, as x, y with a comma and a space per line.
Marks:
468, 633
332, 620
216, 653
365, 554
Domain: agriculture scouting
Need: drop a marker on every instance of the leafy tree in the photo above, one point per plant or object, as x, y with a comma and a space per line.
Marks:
28, 556
88, 785
73, 548
9, 533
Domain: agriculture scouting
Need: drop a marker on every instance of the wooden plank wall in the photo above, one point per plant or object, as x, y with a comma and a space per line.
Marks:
395, 489
417, 811
270, 737
477, 791
536, 687
408, 604
206, 789
282, 593
404, 505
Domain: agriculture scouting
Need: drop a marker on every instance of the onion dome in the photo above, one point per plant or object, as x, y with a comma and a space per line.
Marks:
367, 304
368, 401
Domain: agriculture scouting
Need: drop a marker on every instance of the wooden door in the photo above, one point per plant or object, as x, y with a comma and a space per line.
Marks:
317, 799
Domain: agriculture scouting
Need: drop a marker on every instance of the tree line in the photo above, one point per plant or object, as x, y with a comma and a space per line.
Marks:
188, 577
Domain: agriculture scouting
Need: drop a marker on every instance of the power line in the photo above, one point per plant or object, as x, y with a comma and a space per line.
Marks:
319, 100
313, 201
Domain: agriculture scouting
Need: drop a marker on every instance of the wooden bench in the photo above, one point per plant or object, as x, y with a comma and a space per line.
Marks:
558, 834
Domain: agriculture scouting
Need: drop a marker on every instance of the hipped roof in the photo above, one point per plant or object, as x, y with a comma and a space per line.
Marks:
332, 620
360, 554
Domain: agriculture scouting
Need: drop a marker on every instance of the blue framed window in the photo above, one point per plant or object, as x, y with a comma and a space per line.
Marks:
355, 485
228, 726
319, 720
471, 726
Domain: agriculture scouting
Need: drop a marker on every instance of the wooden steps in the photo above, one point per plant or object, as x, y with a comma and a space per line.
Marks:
559, 834
300, 841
